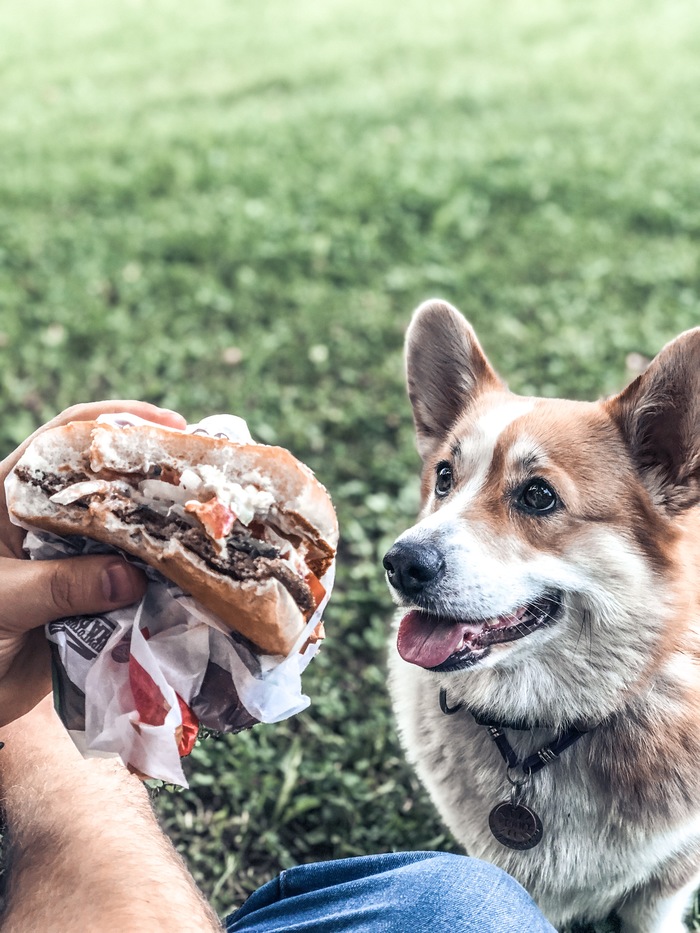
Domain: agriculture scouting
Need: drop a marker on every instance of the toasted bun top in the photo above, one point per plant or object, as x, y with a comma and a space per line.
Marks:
94, 447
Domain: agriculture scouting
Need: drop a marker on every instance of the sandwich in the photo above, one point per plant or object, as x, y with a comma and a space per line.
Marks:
246, 529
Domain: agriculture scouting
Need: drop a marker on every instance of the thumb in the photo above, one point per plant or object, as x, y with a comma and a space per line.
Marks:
45, 590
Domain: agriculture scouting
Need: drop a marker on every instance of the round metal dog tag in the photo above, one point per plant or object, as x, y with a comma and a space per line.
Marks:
517, 827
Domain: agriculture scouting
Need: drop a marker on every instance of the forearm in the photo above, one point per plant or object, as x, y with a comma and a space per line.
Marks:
86, 851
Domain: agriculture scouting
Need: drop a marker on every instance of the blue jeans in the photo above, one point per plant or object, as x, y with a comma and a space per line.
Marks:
401, 892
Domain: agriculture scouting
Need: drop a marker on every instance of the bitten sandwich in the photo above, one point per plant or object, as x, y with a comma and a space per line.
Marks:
245, 528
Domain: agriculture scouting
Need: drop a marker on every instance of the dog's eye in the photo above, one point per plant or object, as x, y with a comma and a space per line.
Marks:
538, 496
443, 478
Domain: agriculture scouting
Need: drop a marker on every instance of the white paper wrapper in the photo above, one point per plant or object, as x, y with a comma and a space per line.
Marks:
118, 676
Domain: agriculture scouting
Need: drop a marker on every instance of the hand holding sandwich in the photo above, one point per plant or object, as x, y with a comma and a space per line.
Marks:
33, 593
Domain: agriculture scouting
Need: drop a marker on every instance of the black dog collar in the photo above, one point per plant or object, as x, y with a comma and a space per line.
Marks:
513, 824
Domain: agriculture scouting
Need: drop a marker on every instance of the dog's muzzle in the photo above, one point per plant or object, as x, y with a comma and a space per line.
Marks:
411, 568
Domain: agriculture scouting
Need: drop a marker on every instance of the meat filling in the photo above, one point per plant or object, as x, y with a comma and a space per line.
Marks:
51, 483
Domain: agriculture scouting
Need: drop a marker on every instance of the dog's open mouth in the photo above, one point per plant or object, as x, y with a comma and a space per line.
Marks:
440, 643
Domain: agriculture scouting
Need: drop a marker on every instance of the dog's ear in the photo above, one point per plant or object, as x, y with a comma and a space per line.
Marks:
445, 369
659, 415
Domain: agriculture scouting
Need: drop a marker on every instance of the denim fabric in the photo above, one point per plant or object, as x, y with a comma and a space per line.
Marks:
401, 892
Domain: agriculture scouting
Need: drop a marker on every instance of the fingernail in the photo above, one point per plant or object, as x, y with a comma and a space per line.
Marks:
118, 584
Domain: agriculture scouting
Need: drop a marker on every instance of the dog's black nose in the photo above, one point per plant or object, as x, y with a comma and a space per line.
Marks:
411, 567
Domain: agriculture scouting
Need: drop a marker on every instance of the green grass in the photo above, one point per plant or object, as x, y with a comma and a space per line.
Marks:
236, 205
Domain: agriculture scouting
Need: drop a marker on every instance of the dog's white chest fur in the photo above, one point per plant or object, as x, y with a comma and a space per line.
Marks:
583, 866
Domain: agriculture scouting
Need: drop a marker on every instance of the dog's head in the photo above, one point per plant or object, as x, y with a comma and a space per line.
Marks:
551, 537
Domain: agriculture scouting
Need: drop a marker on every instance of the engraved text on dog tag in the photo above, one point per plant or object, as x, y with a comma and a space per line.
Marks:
517, 827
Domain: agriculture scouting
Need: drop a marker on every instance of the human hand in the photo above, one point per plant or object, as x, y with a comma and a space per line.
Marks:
33, 593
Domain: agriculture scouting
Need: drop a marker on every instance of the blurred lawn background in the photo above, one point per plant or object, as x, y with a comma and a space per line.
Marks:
234, 206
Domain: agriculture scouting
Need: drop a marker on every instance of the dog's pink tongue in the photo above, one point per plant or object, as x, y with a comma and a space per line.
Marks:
425, 641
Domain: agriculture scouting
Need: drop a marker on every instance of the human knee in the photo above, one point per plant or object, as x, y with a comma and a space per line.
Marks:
465, 895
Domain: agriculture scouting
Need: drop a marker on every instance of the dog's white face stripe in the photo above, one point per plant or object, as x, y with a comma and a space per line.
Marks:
477, 453
493, 423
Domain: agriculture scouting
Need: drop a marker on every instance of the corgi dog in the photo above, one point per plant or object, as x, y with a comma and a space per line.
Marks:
545, 671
